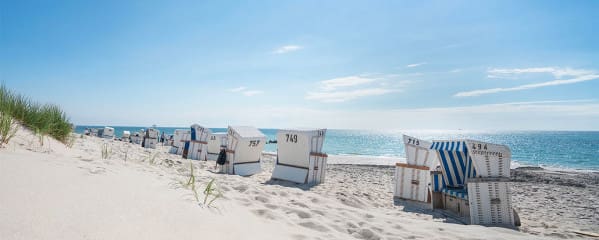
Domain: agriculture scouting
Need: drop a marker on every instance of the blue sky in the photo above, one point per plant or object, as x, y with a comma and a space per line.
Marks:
478, 65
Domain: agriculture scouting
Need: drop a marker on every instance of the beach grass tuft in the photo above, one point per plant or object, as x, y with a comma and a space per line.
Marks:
211, 190
106, 151
44, 119
8, 128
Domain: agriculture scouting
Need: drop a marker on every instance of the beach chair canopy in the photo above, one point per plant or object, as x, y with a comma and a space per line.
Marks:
418, 152
247, 143
465, 159
126, 134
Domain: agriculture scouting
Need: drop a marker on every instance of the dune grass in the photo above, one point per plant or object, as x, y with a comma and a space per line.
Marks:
106, 151
8, 128
44, 119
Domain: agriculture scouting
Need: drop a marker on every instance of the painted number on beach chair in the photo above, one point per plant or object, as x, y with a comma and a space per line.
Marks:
212, 137
479, 146
413, 141
291, 138
254, 143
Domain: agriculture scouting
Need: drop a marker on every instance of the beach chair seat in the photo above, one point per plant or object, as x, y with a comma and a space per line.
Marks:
299, 156
461, 193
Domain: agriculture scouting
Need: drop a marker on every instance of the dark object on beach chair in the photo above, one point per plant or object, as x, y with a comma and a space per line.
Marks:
222, 157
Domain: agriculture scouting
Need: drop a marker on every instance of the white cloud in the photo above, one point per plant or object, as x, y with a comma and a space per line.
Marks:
342, 96
415, 64
245, 91
579, 75
556, 72
251, 93
351, 87
237, 89
287, 49
332, 84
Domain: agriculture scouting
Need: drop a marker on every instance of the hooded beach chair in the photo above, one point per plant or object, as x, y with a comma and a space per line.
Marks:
125, 136
244, 151
106, 132
474, 182
195, 147
150, 138
179, 139
412, 178
136, 138
299, 156
216, 142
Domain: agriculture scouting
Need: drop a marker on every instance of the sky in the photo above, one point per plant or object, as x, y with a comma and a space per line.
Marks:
472, 65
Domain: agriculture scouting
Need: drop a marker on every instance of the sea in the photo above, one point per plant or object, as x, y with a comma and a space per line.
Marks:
567, 150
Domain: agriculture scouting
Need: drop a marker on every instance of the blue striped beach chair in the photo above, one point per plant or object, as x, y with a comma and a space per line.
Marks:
196, 147
473, 181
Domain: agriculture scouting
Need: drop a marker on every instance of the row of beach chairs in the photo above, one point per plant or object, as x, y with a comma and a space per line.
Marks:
465, 179
299, 155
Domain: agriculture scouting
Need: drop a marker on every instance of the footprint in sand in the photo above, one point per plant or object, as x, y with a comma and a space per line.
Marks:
262, 199
241, 188
299, 237
299, 204
265, 213
366, 234
299, 213
314, 226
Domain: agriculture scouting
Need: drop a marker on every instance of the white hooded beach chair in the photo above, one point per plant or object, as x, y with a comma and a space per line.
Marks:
106, 132
216, 142
474, 182
412, 178
244, 151
136, 138
179, 138
299, 156
150, 138
195, 147
125, 136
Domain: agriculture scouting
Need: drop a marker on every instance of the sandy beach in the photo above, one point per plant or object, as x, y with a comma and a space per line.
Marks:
56, 192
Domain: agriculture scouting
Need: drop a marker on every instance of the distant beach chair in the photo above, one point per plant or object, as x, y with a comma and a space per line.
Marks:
106, 132
474, 182
412, 179
299, 156
125, 136
136, 138
150, 138
195, 147
216, 142
244, 151
179, 138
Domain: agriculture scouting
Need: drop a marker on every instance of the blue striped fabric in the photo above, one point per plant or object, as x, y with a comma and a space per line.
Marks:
455, 162
437, 184
459, 193
193, 138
